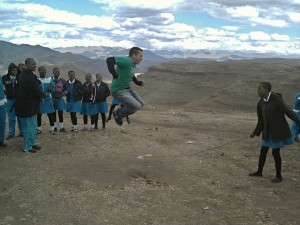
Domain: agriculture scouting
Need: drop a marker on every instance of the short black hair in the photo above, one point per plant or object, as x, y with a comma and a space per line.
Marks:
71, 71
266, 85
55, 69
41, 67
135, 51
28, 61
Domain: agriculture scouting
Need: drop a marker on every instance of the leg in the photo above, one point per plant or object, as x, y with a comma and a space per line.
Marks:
74, 121
51, 121
261, 161
277, 159
96, 120
131, 101
2, 125
112, 107
11, 118
61, 120
39, 124
21, 127
103, 117
85, 121
92, 122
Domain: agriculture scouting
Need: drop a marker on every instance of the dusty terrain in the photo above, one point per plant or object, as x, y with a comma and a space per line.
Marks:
196, 124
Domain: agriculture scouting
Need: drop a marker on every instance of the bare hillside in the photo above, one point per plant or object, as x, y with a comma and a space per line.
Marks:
228, 84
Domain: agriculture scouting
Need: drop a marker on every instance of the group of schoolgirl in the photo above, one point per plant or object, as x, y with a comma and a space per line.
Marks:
88, 99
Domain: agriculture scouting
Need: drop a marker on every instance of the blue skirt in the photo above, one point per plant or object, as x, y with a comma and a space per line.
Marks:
46, 106
101, 107
279, 144
88, 109
73, 106
115, 102
59, 105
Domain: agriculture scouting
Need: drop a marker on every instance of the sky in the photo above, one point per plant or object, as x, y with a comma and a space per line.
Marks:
264, 26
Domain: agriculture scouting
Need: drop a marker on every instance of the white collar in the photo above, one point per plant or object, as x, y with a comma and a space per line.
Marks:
266, 100
71, 82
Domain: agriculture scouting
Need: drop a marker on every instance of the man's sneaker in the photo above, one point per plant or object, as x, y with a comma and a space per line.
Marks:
36, 147
38, 132
92, 129
55, 129
74, 130
118, 121
62, 129
29, 151
52, 132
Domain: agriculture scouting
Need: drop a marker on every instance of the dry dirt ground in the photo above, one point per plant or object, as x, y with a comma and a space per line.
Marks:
198, 172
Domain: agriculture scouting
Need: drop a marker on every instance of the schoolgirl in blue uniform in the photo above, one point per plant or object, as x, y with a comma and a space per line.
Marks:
10, 82
88, 106
102, 93
294, 127
74, 97
2, 115
61, 90
272, 124
46, 105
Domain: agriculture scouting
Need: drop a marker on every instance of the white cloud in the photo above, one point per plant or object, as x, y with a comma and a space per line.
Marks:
280, 37
294, 16
244, 11
231, 28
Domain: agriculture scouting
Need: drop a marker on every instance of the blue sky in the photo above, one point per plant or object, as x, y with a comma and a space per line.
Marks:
232, 25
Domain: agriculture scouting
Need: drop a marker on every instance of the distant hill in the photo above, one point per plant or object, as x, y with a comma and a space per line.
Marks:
50, 58
230, 85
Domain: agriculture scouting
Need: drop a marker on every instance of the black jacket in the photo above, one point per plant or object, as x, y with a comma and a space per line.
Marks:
29, 94
78, 90
271, 118
10, 87
102, 92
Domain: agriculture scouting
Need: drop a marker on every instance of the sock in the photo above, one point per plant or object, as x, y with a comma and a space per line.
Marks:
61, 125
39, 128
54, 124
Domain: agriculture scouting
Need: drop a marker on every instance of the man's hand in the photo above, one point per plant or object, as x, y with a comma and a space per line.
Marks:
252, 135
142, 83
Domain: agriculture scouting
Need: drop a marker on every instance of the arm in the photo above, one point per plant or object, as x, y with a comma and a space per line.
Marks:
65, 88
107, 91
110, 61
260, 123
94, 91
137, 82
52, 86
288, 112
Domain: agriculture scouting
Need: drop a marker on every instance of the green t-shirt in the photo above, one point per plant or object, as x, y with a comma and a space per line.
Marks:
125, 70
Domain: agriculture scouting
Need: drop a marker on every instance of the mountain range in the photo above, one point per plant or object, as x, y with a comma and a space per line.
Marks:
92, 59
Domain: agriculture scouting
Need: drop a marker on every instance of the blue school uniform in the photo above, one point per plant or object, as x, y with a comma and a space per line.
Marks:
115, 102
279, 144
101, 106
60, 91
73, 106
46, 104
294, 127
